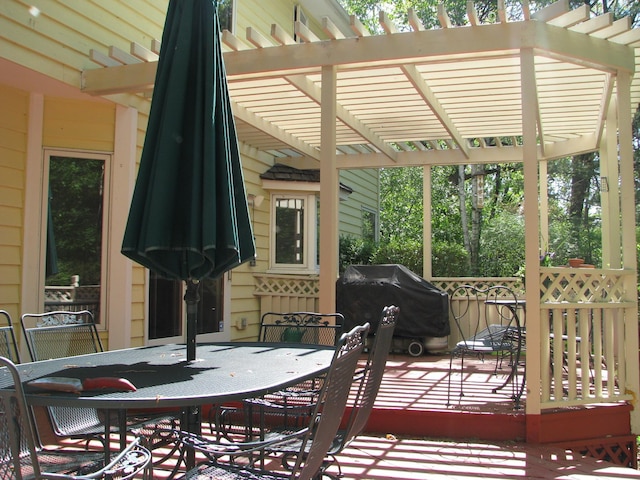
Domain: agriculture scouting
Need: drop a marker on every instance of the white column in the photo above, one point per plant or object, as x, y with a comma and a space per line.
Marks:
427, 246
532, 231
627, 204
610, 197
35, 214
329, 190
119, 268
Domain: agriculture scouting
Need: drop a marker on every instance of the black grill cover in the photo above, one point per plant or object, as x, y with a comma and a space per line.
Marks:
364, 290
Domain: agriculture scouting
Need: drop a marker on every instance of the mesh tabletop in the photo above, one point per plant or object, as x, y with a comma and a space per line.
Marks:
163, 377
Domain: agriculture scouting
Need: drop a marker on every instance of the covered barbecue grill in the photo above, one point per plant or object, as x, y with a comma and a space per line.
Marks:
363, 290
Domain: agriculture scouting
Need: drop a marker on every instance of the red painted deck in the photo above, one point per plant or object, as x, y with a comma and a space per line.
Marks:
413, 434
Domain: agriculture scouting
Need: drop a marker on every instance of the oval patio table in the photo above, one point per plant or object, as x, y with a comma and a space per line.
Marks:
163, 377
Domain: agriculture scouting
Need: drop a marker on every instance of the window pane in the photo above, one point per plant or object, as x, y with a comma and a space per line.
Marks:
166, 302
225, 14
165, 307
74, 234
290, 230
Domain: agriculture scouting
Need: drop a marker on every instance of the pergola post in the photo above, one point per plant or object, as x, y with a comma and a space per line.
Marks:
427, 245
329, 186
532, 242
628, 208
609, 194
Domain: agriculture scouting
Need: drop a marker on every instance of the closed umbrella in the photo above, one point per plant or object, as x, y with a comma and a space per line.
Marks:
189, 217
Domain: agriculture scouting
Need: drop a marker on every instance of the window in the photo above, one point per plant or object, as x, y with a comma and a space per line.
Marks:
75, 222
225, 14
294, 232
369, 224
166, 307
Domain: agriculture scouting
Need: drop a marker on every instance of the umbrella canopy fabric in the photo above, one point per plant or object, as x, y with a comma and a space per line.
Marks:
189, 217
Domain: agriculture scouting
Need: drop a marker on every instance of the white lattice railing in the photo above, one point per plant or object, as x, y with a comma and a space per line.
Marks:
587, 312
287, 293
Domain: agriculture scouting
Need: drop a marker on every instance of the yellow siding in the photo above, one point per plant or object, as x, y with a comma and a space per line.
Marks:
57, 41
13, 147
79, 125
261, 15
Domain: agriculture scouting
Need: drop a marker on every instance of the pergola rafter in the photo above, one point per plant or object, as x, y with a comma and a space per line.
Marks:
447, 86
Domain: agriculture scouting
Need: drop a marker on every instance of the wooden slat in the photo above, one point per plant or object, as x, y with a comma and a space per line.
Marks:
386, 23
552, 11
233, 42
472, 14
358, 27
594, 24
414, 20
502, 12
102, 59
122, 56
143, 53
616, 28
256, 38
303, 32
281, 36
571, 17
443, 16
332, 31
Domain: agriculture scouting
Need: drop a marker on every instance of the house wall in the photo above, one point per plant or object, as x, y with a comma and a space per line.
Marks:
43, 52
13, 151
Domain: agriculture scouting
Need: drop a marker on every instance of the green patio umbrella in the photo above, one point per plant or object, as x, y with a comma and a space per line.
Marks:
189, 217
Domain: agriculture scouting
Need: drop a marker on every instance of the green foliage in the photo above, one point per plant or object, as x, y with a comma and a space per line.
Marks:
76, 186
502, 245
401, 212
405, 252
354, 251
450, 260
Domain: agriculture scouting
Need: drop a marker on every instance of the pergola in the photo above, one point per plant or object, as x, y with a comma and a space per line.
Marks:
556, 83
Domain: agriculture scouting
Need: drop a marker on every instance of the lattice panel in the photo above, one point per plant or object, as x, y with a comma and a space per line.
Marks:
618, 450
287, 285
581, 285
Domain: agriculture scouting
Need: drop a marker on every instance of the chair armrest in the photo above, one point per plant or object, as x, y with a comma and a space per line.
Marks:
127, 464
213, 448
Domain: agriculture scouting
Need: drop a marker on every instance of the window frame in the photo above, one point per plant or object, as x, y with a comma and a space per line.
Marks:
309, 264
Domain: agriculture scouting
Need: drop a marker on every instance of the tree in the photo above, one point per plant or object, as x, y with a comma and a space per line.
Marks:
457, 216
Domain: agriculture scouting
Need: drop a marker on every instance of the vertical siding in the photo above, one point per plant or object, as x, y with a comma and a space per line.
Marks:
13, 147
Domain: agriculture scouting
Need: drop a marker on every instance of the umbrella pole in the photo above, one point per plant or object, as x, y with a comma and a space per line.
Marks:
192, 298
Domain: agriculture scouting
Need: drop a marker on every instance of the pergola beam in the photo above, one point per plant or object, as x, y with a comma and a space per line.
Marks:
378, 50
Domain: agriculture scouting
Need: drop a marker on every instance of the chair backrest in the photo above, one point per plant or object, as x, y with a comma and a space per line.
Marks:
65, 334
301, 327
329, 410
486, 318
8, 344
18, 445
60, 334
372, 375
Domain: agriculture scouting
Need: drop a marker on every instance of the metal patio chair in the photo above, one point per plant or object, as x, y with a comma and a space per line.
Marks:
367, 383
290, 407
8, 343
316, 438
488, 324
301, 327
22, 456
67, 334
